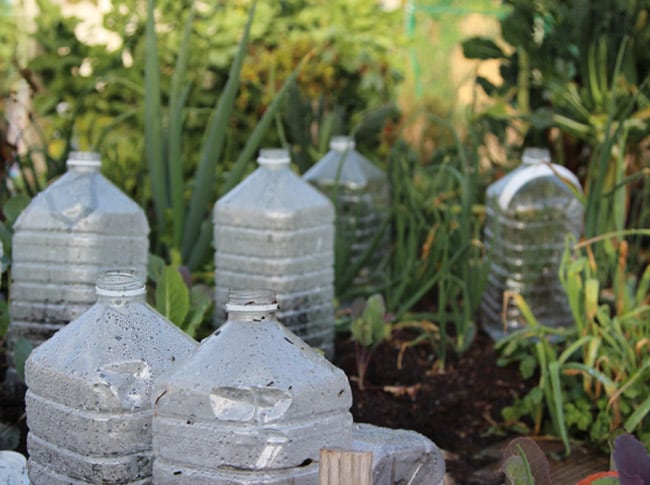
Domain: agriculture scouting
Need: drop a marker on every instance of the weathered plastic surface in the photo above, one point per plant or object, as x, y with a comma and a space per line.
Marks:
13, 468
361, 195
276, 231
77, 226
529, 213
88, 401
253, 405
400, 456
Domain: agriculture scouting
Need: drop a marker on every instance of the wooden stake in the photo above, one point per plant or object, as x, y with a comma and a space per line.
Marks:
341, 467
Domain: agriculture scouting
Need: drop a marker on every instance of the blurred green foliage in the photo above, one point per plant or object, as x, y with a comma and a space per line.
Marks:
92, 95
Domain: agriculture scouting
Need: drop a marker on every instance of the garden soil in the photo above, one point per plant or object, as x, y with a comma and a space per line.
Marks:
458, 407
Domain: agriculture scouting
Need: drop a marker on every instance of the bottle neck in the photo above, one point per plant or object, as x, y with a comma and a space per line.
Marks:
534, 156
251, 305
342, 144
117, 287
274, 158
84, 162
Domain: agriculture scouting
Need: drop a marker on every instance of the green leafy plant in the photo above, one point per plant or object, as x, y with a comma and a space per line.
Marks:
591, 378
185, 304
369, 329
436, 251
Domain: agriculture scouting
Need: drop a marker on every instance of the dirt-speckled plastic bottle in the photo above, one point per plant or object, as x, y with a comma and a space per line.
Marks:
77, 226
530, 211
88, 400
254, 404
276, 231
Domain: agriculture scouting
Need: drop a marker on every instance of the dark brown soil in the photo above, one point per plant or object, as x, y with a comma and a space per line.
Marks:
458, 407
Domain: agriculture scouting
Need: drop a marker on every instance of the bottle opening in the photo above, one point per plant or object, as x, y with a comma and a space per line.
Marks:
119, 283
342, 143
274, 157
256, 300
84, 159
536, 155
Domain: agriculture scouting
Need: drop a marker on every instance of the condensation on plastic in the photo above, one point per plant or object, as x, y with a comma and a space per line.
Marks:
361, 194
78, 226
529, 213
274, 230
254, 404
88, 401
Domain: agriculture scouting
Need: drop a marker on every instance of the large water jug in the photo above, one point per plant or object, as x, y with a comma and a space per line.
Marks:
88, 400
530, 211
361, 195
77, 226
276, 231
254, 404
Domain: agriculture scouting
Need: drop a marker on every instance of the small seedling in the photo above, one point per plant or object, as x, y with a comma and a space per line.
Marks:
368, 331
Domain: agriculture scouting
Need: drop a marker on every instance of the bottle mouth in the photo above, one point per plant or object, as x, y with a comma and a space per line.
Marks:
119, 283
342, 143
84, 159
274, 157
536, 155
253, 300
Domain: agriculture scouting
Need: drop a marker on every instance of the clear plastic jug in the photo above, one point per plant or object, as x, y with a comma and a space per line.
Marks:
254, 404
88, 400
360, 193
529, 213
276, 231
79, 225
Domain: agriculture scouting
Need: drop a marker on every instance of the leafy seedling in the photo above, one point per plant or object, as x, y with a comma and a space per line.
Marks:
368, 331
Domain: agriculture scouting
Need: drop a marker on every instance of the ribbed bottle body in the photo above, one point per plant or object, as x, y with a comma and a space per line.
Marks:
275, 231
254, 404
529, 214
360, 193
78, 226
88, 400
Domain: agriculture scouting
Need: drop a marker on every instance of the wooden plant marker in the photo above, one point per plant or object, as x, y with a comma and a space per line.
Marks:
342, 467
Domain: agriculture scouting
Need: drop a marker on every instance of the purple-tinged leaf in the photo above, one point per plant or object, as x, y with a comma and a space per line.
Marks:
632, 460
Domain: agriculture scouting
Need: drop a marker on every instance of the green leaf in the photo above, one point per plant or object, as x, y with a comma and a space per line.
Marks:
517, 471
179, 93
200, 303
22, 349
172, 295
371, 327
481, 48
489, 88
155, 265
639, 414
153, 130
14, 206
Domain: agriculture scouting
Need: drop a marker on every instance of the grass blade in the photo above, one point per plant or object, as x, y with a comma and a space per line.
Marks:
212, 146
179, 93
635, 418
153, 131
